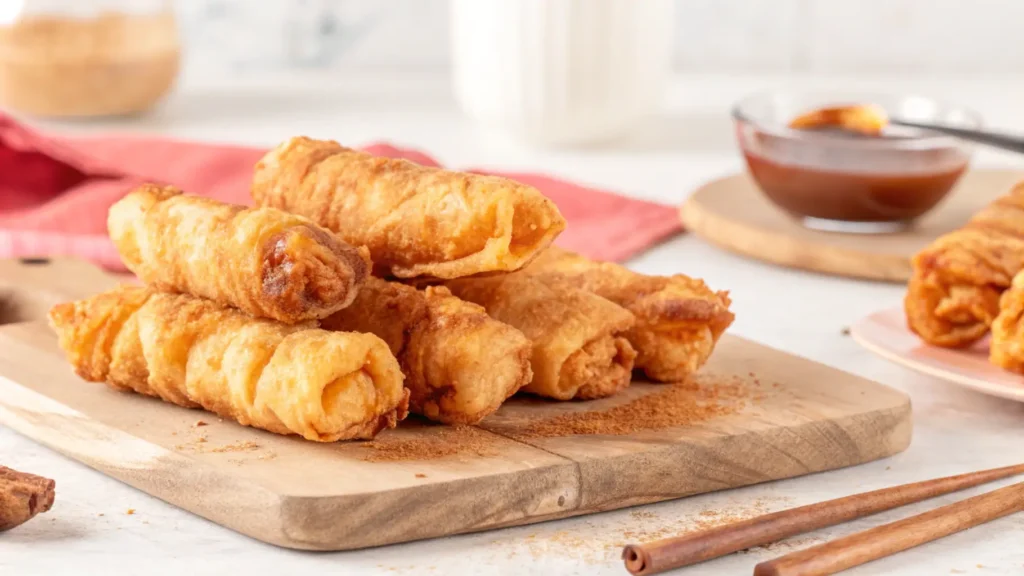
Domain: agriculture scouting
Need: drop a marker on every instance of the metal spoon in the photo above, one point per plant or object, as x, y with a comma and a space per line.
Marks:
870, 120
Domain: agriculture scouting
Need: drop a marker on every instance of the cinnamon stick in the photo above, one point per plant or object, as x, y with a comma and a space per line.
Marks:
644, 559
868, 545
22, 496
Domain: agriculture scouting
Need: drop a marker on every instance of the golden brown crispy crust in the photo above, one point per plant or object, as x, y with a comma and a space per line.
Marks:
590, 365
263, 261
416, 221
288, 379
460, 364
953, 296
1007, 349
579, 349
678, 319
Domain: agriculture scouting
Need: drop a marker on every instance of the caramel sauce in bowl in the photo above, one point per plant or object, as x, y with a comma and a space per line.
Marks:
838, 180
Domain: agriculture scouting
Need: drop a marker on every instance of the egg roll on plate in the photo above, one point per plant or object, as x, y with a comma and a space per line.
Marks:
953, 295
1007, 348
288, 379
417, 221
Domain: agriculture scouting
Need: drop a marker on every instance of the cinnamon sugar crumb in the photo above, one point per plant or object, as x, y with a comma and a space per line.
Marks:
236, 447
440, 443
196, 446
679, 404
421, 475
199, 423
130, 511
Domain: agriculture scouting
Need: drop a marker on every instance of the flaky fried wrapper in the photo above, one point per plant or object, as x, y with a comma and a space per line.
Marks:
678, 319
579, 345
263, 261
1007, 347
288, 379
416, 221
953, 295
459, 363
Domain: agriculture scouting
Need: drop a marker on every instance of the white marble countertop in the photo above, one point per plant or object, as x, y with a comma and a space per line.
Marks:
89, 532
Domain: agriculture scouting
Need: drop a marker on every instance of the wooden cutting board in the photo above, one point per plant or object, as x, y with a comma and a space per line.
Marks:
800, 417
734, 214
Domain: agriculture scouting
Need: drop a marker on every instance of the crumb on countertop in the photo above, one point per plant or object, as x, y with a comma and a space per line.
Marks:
236, 447
845, 331
130, 511
199, 423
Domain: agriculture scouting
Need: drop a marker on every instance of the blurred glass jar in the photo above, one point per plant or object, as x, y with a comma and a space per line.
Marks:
79, 58
561, 71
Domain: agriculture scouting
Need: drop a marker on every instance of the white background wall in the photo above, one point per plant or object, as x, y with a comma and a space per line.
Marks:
833, 36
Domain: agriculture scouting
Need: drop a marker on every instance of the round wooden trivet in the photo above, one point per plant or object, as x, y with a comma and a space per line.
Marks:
733, 213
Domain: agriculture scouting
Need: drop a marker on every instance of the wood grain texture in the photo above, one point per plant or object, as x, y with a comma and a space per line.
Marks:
304, 495
733, 213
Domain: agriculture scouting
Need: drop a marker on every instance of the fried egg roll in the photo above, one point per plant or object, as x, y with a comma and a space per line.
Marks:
416, 221
579, 345
953, 295
678, 318
459, 363
1007, 348
288, 379
263, 261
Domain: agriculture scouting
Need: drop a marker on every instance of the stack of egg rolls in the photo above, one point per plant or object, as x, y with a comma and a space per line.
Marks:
308, 314
194, 336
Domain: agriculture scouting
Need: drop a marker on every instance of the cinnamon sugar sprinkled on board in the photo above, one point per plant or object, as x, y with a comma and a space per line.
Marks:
440, 442
698, 399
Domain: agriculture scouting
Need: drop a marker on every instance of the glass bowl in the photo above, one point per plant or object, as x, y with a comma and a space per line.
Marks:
848, 183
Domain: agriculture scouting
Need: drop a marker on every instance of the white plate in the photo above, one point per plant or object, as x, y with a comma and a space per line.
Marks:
885, 333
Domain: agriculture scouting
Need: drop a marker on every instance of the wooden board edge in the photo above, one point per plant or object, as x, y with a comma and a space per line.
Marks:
288, 521
455, 507
724, 455
741, 240
140, 464
897, 441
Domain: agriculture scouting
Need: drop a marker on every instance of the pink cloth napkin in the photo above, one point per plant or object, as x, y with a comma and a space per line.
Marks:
55, 193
